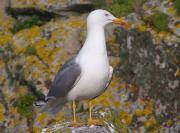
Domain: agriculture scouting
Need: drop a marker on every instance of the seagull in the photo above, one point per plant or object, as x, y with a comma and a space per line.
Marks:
88, 74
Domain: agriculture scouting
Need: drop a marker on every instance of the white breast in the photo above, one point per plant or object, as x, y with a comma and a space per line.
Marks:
95, 73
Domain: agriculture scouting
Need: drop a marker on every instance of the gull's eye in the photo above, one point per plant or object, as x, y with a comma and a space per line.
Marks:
106, 14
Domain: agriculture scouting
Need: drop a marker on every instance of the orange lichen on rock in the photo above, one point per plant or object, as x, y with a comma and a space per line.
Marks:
177, 73
138, 112
41, 117
2, 117
102, 99
126, 117
116, 104
150, 122
148, 109
75, 23
59, 116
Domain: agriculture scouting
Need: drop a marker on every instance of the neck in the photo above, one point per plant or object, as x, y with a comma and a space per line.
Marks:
95, 41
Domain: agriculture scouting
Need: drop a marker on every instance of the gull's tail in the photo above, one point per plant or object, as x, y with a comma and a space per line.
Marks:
53, 106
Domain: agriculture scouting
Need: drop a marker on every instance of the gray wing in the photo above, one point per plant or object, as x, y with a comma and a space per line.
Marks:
65, 79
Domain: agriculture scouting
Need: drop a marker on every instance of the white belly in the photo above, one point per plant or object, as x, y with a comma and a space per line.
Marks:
93, 80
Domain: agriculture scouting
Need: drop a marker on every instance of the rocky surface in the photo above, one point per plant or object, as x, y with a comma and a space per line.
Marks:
37, 37
53, 6
83, 129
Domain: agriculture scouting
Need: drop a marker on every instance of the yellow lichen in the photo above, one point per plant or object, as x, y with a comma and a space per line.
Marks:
36, 74
169, 122
102, 100
75, 23
116, 104
2, 113
177, 73
41, 117
126, 118
5, 38
127, 104
1, 64
172, 11
115, 83
21, 90
37, 129
141, 28
59, 116
41, 43
163, 34
150, 122
13, 110
51, 1
30, 34
148, 109
63, 2
122, 85
138, 112
30, 59
141, 102
177, 25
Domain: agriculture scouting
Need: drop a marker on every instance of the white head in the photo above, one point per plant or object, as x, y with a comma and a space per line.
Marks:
101, 18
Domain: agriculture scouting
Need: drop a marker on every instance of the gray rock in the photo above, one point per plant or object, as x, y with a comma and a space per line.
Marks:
82, 129
90, 129
55, 7
151, 68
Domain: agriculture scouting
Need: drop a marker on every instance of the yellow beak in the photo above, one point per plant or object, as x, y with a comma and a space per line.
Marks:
121, 22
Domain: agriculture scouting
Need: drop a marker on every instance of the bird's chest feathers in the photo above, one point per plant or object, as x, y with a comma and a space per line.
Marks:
95, 67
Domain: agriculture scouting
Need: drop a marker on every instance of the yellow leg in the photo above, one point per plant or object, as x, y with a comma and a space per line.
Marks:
93, 121
90, 109
74, 111
74, 122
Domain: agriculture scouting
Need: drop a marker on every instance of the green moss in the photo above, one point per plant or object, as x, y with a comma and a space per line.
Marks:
25, 105
19, 67
31, 50
99, 3
28, 23
119, 7
19, 72
177, 6
160, 21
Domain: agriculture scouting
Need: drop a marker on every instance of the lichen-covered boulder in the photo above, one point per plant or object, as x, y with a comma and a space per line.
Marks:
53, 5
154, 71
63, 127
37, 37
